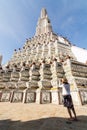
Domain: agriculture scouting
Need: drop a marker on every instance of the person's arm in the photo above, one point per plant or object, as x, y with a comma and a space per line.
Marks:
60, 83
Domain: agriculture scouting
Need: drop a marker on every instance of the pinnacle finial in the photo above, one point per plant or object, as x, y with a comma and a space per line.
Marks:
43, 24
43, 13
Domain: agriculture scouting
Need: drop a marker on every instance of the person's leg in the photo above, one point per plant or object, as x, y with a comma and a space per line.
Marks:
72, 107
73, 110
69, 111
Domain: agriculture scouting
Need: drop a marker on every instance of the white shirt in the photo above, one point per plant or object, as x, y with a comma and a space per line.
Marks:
65, 89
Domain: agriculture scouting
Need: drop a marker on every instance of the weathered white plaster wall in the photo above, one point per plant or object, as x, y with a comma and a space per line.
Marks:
80, 54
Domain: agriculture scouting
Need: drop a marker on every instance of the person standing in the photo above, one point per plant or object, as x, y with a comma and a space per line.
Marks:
67, 99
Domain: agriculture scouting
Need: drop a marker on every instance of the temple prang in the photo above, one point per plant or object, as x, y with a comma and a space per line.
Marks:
34, 71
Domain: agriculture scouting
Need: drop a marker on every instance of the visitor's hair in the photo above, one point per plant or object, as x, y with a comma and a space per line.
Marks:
64, 80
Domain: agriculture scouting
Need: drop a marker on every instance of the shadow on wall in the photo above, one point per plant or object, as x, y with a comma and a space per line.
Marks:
53, 123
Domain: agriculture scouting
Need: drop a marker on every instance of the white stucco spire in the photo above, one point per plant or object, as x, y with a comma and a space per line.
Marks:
43, 13
43, 24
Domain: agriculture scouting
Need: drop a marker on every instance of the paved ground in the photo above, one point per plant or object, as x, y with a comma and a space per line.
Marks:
18, 116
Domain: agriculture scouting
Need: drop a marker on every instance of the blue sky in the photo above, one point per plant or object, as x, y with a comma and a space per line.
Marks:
18, 19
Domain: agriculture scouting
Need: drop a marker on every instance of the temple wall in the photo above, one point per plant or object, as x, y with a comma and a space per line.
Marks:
76, 73
80, 53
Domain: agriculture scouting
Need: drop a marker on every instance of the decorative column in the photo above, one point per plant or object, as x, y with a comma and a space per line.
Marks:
57, 74
21, 84
32, 84
54, 82
7, 91
51, 51
44, 50
16, 95
44, 93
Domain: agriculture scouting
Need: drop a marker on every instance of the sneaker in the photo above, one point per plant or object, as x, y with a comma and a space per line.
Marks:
75, 119
70, 119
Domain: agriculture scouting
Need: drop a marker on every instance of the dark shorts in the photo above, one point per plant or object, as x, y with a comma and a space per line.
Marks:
67, 101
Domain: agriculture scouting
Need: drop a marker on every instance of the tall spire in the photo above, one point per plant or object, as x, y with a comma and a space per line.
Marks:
43, 24
43, 13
